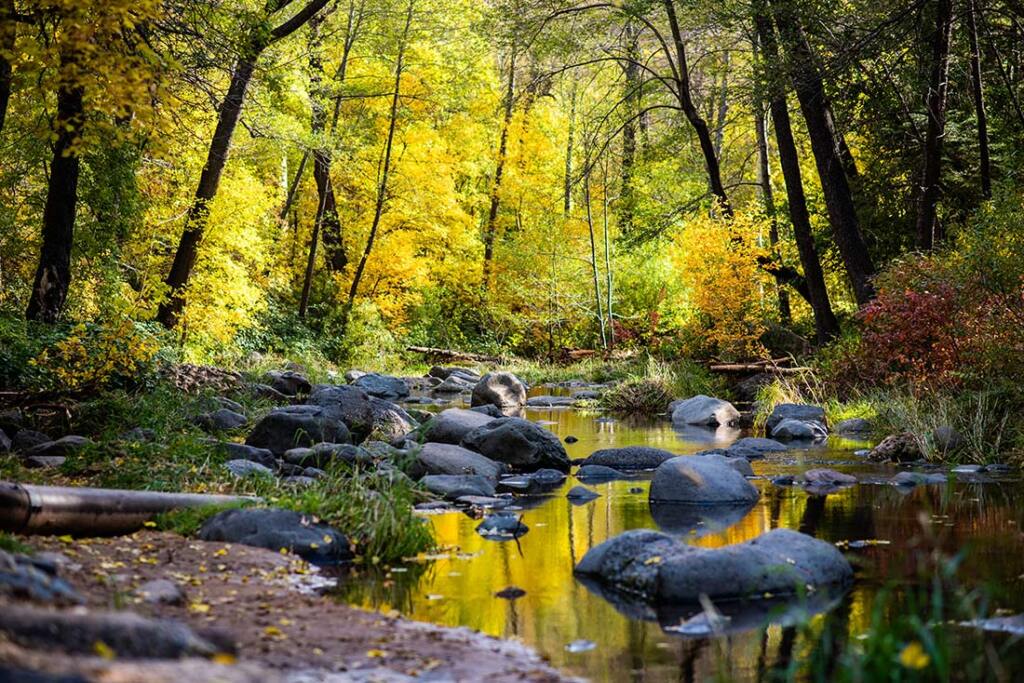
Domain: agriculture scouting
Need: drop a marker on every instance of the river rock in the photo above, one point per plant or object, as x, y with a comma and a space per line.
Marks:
799, 430
897, 448
274, 529
911, 479
594, 474
323, 454
452, 425
501, 389
161, 592
288, 427
704, 411
711, 479
382, 386
443, 373
367, 417
221, 420
27, 439
660, 568
453, 486
823, 481
550, 402
30, 578
247, 468
758, 445
62, 447
443, 458
855, 426
267, 392
501, 526
239, 451
518, 443
288, 382
532, 483
455, 385
578, 495
629, 458
125, 634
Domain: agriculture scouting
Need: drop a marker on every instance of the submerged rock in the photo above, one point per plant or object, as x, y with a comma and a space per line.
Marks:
518, 443
599, 473
824, 481
501, 526
710, 479
759, 445
912, 479
660, 568
510, 593
274, 529
629, 458
704, 411
500, 389
578, 495
534, 482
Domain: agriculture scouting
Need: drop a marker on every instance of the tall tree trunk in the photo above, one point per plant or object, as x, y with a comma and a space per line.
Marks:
825, 324
631, 83
227, 119
608, 267
570, 141
697, 122
8, 36
723, 109
977, 86
931, 175
53, 274
293, 187
491, 228
834, 182
768, 197
382, 188
593, 257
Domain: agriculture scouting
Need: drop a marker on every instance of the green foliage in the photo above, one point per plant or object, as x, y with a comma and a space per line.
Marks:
11, 544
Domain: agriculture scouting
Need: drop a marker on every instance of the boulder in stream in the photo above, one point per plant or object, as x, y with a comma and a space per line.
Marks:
289, 427
501, 526
704, 480
452, 425
382, 386
454, 486
501, 389
518, 443
704, 411
444, 458
629, 458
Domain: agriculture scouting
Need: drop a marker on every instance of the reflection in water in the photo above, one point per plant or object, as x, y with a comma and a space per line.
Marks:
459, 588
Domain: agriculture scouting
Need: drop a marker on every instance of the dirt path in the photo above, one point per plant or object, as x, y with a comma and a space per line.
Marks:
267, 604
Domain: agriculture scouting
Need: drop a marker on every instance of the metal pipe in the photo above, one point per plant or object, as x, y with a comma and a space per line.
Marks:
31, 509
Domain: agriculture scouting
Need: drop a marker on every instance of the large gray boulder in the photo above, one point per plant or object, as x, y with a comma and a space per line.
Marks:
454, 486
275, 529
520, 444
367, 417
704, 480
452, 425
382, 386
798, 412
443, 458
629, 458
288, 382
704, 411
289, 427
659, 568
501, 389
800, 430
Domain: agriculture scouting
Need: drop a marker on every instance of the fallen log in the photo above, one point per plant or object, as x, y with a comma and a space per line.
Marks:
452, 354
31, 509
757, 367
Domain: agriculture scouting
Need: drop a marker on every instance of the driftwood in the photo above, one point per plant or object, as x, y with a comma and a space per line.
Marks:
452, 354
756, 367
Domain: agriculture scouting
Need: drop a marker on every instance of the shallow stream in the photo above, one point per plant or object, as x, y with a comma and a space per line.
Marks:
585, 634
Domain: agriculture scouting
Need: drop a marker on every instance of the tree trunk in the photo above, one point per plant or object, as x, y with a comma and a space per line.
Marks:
768, 196
8, 36
931, 175
293, 188
608, 269
385, 172
567, 181
631, 73
985, 165
593, 258
723, 109
699, 125
825, 324
492, 215
53, 275
209, 181
834, 182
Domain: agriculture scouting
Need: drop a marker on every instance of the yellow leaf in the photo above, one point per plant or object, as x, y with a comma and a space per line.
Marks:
199, 607
103, 650
149, 525
224, 658
653, 560
273, 632
376, 654
913, 656
66, 538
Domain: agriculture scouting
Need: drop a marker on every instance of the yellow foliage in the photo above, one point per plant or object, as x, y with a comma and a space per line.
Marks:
91, 359
717, 260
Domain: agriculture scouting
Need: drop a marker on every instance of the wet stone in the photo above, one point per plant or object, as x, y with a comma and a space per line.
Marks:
578, 495
510, 593
161, 591
502, 526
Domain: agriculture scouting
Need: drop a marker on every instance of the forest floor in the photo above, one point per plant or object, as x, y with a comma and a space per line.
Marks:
273, 608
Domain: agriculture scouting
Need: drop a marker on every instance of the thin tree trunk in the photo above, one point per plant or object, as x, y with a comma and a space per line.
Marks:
209, 181
631, 73
931, 175
834, 182
825, 324
768, 196
53, 274
593, 258
723, 109
492, 215
977, 86
608, 267
8, 37
567, 181
293, 187
699, 125
382, 188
